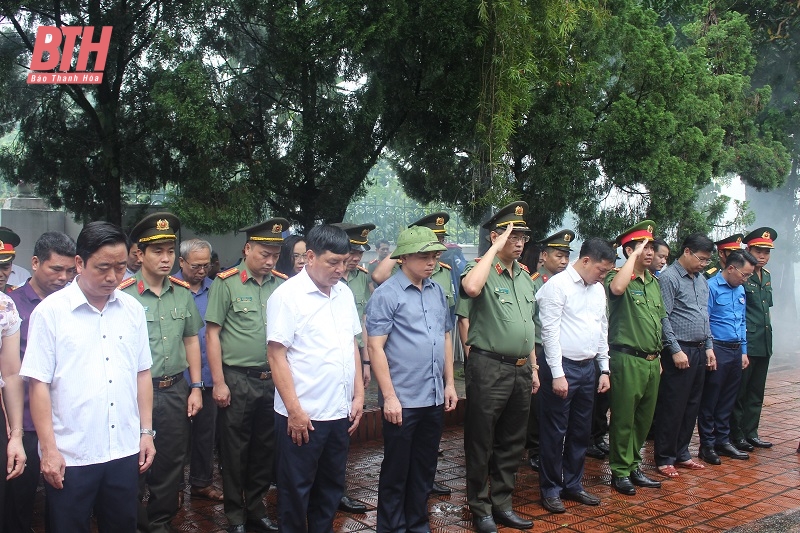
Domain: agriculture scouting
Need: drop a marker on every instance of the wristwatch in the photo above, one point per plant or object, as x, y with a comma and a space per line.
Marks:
199, 385
151, 432
605, 372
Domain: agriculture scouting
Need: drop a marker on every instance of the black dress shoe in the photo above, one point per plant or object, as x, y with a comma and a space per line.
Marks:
623, 485
594, 452
437, 488
238, 528
708, 455
602, 445
510, 519
640, 480
729, 450
758, 443
743, 445
349, 505
262, 524
534, 462
484, 524
581, 497
554, 505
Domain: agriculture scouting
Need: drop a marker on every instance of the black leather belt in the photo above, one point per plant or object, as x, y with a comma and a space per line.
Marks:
167, 381
633, 352
251, 372
505, 359
729, 345
693, 344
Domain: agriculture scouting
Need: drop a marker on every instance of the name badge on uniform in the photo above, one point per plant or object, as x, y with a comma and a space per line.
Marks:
146, 308
637, 293
501, 290
244, 299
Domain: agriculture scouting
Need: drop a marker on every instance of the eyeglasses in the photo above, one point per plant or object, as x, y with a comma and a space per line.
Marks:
204, 266
519, 238
744, 276
702, 261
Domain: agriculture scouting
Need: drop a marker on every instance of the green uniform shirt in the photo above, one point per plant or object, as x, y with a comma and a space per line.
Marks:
170, 317
759, 324
539, 279
441, 275
358, 281
238, 304
634, 318
501, 316
712, 269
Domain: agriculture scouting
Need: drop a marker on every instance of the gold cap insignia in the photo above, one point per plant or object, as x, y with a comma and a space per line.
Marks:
519, 211
766, 235
440, 221
365, 233
649, 228
567, 237
162, 224
738, 240
277, 228
2, 245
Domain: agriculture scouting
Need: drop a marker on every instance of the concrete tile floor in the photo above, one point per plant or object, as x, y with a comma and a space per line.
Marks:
718, 498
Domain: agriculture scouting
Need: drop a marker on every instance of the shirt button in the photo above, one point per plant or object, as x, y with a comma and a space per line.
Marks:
109, 381
112, 426
104, 336
112, 404
162, 318
165, 338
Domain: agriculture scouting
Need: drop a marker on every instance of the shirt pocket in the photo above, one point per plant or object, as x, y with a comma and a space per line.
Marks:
768, 295
506, 305
248, 316
153, 331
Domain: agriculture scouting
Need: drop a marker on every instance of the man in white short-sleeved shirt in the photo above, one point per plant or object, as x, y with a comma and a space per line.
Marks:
88, 362
312, 322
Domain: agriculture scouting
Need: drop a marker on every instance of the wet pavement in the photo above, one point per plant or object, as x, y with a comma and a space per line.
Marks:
758, 495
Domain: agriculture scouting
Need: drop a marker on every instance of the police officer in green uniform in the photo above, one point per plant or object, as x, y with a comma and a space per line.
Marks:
236, 346
357, 278
758, 291
635, 310
724, 248
8, 241
497, 299
172, 323
555, 252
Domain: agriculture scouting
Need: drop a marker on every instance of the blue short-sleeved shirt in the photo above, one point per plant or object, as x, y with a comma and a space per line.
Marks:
415, 322
726, 311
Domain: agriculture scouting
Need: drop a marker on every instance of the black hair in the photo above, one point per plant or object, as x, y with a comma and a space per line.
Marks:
214, 256
598, 250
658, 242
144, 245
95, 235
53, 242
530, 256
327, 238
383, 241
738, 258
697, 242
285, 263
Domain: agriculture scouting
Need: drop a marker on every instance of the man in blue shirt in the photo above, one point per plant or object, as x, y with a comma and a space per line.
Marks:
412, 360
726, 313
195, 262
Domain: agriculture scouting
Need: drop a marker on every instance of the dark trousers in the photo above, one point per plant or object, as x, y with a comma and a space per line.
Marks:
600, 410
495, 421
679, 396
247, 435
311, 477
201, 447
172, 429
565, 427
410, 453
747, 412
107, 490
21, 491
532, 436
719, 396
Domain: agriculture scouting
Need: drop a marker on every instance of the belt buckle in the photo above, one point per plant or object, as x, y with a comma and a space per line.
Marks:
651, 357
265, 375
166, 381
521, 361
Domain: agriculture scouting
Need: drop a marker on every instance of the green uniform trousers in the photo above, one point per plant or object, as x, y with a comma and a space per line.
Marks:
172, 428
496, 419
633, 396
247, 442
747, 412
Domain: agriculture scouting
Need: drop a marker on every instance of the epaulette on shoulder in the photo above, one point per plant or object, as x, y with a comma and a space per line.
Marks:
279, 274
12, 287
767, 271
524, 267
362, 269
127, 283
228, 273
711, 271
535, 276
178, 281
373, 261
445, 265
